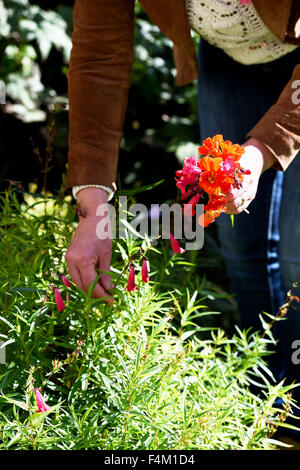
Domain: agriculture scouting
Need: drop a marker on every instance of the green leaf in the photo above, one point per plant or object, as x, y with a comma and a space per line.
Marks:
140, 189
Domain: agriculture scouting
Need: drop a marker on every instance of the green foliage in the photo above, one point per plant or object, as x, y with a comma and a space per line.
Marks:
28, 33
138, 375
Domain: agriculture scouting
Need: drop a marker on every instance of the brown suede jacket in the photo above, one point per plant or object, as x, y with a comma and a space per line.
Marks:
100, 73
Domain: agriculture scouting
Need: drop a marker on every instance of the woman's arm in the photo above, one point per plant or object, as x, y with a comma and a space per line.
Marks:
273, 142
279, 128
99, 78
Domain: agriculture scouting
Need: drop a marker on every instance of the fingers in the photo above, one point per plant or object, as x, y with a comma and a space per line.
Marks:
88, 276
75, 276
238, 202
86, 252
105, 279
83, 274
104, 265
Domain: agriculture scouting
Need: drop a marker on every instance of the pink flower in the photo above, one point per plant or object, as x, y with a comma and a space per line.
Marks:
41, 404
59, 301
228, 166
145, 275
131, 284
244, 2
65, 281
189, 175
175, 245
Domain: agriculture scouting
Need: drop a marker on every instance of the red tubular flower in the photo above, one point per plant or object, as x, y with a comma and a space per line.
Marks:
131, 284
59, 301
175, 245
41, 404
145, 275
189, 207
65, 281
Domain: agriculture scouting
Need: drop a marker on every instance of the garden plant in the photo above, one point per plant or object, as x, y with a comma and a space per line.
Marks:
150, 372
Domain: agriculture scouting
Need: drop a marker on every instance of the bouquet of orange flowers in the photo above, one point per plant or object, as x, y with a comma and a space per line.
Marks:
207, 180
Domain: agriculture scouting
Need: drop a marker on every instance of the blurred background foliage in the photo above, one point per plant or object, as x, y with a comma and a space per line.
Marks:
161, 126
28, 35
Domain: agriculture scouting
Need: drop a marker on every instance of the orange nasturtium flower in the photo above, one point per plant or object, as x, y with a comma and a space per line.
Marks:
230, 150
215, 206
218, 147
211, 146
209, 179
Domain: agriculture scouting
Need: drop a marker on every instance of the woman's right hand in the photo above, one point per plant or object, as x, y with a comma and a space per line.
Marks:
88, 253
257, 158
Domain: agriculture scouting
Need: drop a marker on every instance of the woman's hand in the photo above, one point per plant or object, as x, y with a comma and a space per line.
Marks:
257, 158
87, 253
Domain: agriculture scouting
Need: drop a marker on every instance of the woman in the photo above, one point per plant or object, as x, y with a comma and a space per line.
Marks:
248, 58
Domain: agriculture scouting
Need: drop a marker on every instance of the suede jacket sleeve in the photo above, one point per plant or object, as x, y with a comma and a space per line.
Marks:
99, 78
279, 128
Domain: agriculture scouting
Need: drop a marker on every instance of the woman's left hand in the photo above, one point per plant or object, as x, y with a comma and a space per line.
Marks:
257, 158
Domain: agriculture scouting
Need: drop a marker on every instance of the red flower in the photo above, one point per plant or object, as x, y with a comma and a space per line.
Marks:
59, 301
219, 172
145, 275
189, 174
65, 281
175, 245
131, 284
189, 207
41, 404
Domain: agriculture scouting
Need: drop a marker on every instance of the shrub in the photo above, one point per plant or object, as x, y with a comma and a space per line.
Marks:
139, 375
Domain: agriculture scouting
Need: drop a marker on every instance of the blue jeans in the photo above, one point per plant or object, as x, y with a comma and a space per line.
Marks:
262, 250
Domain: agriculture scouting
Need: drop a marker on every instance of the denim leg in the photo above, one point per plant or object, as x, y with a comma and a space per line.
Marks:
290, 259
